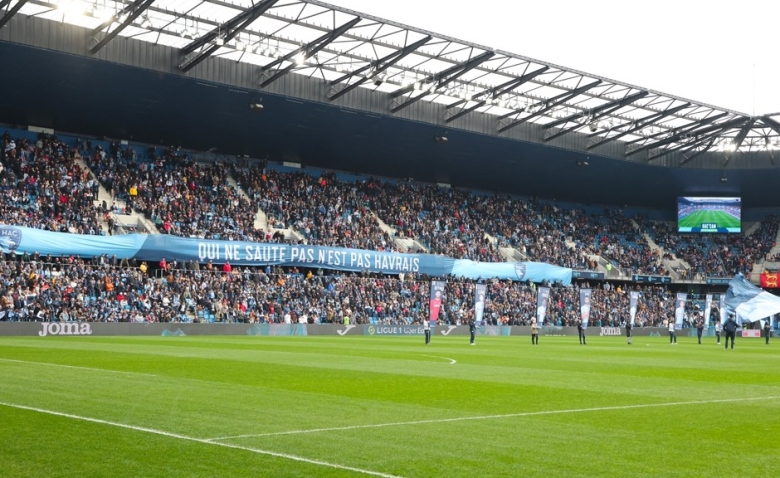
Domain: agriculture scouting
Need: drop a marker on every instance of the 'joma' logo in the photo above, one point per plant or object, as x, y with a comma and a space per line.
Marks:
69, 328
449, 329
346, 329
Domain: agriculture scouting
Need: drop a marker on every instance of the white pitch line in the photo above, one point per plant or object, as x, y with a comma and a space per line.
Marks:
201, 440
490, 417
452, 361
77, 367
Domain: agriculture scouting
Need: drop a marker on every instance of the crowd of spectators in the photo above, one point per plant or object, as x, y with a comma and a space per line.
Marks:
179, 196
41, 186
325, 210
105, 289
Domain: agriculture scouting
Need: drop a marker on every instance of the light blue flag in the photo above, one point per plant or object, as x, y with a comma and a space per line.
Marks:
749, 302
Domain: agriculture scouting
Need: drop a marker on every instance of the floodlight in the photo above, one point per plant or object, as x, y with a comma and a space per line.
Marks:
146, 23
300, 59
220, 41
239, 45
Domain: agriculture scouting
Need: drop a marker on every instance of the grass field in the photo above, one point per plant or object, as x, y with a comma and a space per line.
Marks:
362, 406
696, 219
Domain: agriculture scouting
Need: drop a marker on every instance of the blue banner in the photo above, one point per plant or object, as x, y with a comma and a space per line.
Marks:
154, 247
707, 309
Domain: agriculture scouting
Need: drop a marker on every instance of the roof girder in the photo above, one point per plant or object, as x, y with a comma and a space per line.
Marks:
237, 24
505, 87
712, 132
10, 13
552, 103
683, 130
133, 11
641, 124
608, 108
308, 50
381, 65
441, 78
599, 109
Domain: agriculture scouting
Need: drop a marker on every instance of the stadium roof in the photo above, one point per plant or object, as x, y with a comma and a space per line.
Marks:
349, 50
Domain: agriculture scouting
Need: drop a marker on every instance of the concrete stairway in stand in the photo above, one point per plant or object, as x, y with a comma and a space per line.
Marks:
135, 218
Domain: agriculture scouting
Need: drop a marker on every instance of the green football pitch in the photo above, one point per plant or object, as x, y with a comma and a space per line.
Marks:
387, 406
698, 218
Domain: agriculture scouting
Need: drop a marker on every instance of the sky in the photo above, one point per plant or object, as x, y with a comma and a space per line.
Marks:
720, 53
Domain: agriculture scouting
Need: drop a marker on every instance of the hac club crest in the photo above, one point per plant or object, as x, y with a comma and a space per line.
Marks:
10, 238
520, 271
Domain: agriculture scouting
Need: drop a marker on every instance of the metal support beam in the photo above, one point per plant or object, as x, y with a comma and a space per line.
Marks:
599, 111
494, 92
771, 123
237, 24
443, 76
704, 134
228, 31
690, 158
711, 132
381, 65
7, 17
510, 85
552, 103
465, 111
740, 138
603, 110
440, 79
680, 131
134, 11
308, 50
641, 124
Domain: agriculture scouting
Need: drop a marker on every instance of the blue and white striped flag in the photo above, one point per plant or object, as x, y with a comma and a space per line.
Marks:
749, 302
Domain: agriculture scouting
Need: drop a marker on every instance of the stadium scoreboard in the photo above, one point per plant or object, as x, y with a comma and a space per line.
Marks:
709, 215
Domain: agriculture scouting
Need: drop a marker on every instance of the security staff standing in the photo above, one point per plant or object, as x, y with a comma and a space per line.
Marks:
581, 332
699, 329
730, 327
767, 331
427, 328
472, 330
628, 332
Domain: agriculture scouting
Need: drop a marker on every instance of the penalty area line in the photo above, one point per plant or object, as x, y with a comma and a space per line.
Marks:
77, 367
492, 417
200, 440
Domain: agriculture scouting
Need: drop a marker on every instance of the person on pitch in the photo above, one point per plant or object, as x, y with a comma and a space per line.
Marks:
731, 331
628, 332
767, 331
718, 329
699, 329
427, 328
672, 334
581, 332
534, 333
472, 330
